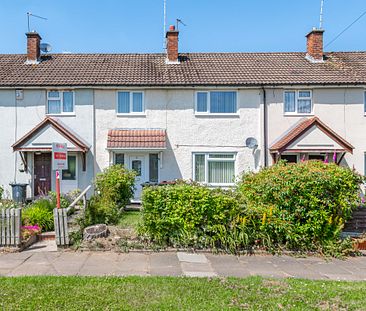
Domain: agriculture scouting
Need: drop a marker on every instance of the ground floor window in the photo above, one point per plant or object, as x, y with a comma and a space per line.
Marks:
319, 157
119, 158
289, 158
153, 167
214, 168
70, 173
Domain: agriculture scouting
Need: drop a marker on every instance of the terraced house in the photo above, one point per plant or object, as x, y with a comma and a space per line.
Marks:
200, 116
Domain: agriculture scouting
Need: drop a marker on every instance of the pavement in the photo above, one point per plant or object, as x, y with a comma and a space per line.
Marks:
38, 262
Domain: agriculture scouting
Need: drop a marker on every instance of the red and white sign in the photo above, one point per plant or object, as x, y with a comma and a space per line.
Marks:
59, 156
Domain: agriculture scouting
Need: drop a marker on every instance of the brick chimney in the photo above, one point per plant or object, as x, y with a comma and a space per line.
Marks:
172, 45
315, 51
33, 47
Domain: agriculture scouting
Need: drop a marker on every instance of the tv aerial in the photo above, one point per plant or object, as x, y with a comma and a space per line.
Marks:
179, 21
45, 47
29, 15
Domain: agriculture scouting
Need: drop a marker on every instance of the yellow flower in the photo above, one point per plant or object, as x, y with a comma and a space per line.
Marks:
264, 218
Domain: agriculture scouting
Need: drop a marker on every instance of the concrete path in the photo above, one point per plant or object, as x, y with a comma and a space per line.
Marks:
178, 264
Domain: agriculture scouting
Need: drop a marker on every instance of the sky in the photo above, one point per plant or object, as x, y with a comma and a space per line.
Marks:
136, 26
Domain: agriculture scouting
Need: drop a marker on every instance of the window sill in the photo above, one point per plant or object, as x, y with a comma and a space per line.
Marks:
141, 115
219, 115
298, 114
61, 114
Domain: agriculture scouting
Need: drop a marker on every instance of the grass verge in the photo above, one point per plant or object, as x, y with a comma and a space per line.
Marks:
167, 293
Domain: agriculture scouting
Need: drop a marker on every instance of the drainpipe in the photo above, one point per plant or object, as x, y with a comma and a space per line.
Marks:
265, 127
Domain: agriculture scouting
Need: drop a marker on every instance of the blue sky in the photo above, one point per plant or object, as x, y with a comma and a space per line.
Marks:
136, 26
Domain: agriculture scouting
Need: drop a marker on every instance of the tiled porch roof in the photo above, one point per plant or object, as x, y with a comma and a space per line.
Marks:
136, 139
300, 128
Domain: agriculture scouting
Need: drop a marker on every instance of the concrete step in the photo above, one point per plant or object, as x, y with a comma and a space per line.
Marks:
46, 236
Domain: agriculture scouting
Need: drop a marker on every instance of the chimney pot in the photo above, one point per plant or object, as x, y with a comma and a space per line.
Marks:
314, 45
33, 47
172, 45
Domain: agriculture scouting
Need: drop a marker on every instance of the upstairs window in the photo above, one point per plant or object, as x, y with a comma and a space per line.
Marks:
130, 102
298, 102
60, 102
214, 168
216, 102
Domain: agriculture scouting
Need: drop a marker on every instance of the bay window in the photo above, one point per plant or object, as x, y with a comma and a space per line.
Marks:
214, 168
216, 102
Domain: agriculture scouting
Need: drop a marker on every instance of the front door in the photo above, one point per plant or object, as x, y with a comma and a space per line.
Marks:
137, 163
42, 174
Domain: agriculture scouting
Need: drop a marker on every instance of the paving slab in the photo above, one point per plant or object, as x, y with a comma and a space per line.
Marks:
43, 246
190, 257
227, 265
133, 264
164, 264
37, 264
69, 263
100, 264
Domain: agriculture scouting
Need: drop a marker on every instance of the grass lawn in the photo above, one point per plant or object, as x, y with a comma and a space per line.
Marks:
130, 220
164, 293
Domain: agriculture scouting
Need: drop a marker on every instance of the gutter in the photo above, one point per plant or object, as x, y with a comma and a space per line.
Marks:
265, 127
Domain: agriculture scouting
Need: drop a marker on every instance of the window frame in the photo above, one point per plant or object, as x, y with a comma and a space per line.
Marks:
297, 98
207, 160
364, 102
133, 113
76, 169
207, 112
61, 99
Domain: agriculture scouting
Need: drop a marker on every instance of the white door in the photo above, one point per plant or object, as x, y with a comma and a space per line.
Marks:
137, 163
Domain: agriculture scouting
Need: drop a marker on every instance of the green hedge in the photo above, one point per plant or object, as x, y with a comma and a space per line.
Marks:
287, 206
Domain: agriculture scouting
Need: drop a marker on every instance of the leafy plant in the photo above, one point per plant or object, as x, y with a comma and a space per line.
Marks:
64, 200
38, 214
114, 189
1, 192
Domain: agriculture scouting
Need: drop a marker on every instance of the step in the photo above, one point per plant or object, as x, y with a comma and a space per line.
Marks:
46, 236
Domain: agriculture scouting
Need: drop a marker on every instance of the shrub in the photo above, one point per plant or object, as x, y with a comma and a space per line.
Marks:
114, 189
64, 200
187, 214
39, 213
1, 192
299, 206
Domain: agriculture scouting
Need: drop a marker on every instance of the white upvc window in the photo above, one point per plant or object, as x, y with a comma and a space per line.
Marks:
60, 102
216, 102
298, 102
130, 102
215, 169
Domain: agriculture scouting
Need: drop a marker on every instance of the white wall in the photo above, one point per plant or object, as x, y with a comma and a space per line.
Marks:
342, 109
173, 110
18, 117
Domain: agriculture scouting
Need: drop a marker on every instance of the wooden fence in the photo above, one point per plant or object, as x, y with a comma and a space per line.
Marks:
10, 227
61, 227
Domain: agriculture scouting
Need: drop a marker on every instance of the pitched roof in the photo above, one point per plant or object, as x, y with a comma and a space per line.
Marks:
300, 128
226, 69
136, 139
59, 127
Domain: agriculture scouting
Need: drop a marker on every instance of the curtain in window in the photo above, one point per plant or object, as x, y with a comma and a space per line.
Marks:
123, 102
137, 102
68, 102
199, 167
202, 102
289, 101
54, 106
220, 172
304, 106
223, 102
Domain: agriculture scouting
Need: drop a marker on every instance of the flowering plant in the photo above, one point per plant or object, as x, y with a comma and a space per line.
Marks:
28, 231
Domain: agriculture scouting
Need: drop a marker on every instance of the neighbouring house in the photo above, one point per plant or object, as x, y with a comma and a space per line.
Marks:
178, 115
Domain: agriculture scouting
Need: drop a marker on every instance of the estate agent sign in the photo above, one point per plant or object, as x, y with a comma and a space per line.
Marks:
59, 156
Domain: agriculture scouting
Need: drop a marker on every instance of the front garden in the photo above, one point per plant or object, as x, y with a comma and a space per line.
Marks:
287, 207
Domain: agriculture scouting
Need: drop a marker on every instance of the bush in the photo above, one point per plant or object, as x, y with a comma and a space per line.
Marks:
39, 213
1, 192
299, 206
64, 200
187, 214
114, 188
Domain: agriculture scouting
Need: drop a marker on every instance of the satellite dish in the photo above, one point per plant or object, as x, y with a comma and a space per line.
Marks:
45, 47
251, 143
